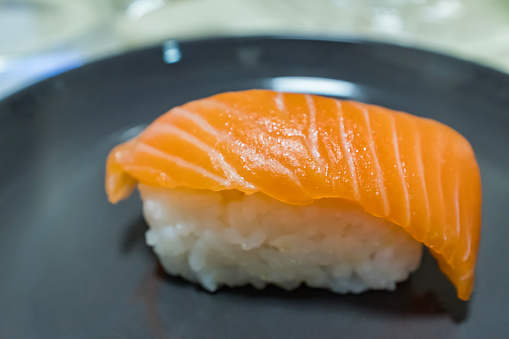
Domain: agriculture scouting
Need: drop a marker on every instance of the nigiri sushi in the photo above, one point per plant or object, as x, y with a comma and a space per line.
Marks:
261, 187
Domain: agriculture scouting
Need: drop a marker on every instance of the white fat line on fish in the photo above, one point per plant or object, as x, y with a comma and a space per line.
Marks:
468, 238
197, 119
440, 151
400, 167
312, 133
280, 102
468, 275
420, 167
217, 157
346, 149
379, 175
456, 200
469, 249
143, 147
224, 106
222, 136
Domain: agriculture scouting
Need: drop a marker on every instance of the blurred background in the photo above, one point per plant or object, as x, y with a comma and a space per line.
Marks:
40, 38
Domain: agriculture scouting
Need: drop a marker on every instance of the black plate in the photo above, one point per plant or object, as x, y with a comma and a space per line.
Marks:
74, 266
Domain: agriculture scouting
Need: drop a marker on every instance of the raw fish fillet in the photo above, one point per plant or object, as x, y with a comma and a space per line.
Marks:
414, 172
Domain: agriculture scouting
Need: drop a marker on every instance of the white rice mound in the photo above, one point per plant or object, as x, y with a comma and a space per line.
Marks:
229, 238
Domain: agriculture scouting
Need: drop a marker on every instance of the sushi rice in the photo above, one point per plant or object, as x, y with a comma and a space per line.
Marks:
230, 238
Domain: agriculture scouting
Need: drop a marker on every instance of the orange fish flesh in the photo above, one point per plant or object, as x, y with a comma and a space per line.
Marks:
415, 172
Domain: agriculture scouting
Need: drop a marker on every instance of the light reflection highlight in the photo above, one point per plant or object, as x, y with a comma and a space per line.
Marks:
171, 52
139, 8
320, 86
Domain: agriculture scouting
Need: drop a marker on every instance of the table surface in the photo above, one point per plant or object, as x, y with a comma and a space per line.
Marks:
33, 46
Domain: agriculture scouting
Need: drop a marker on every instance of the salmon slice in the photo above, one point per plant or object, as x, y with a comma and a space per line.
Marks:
415, 172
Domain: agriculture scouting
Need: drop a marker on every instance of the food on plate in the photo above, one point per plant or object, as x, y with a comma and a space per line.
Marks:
258, 187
